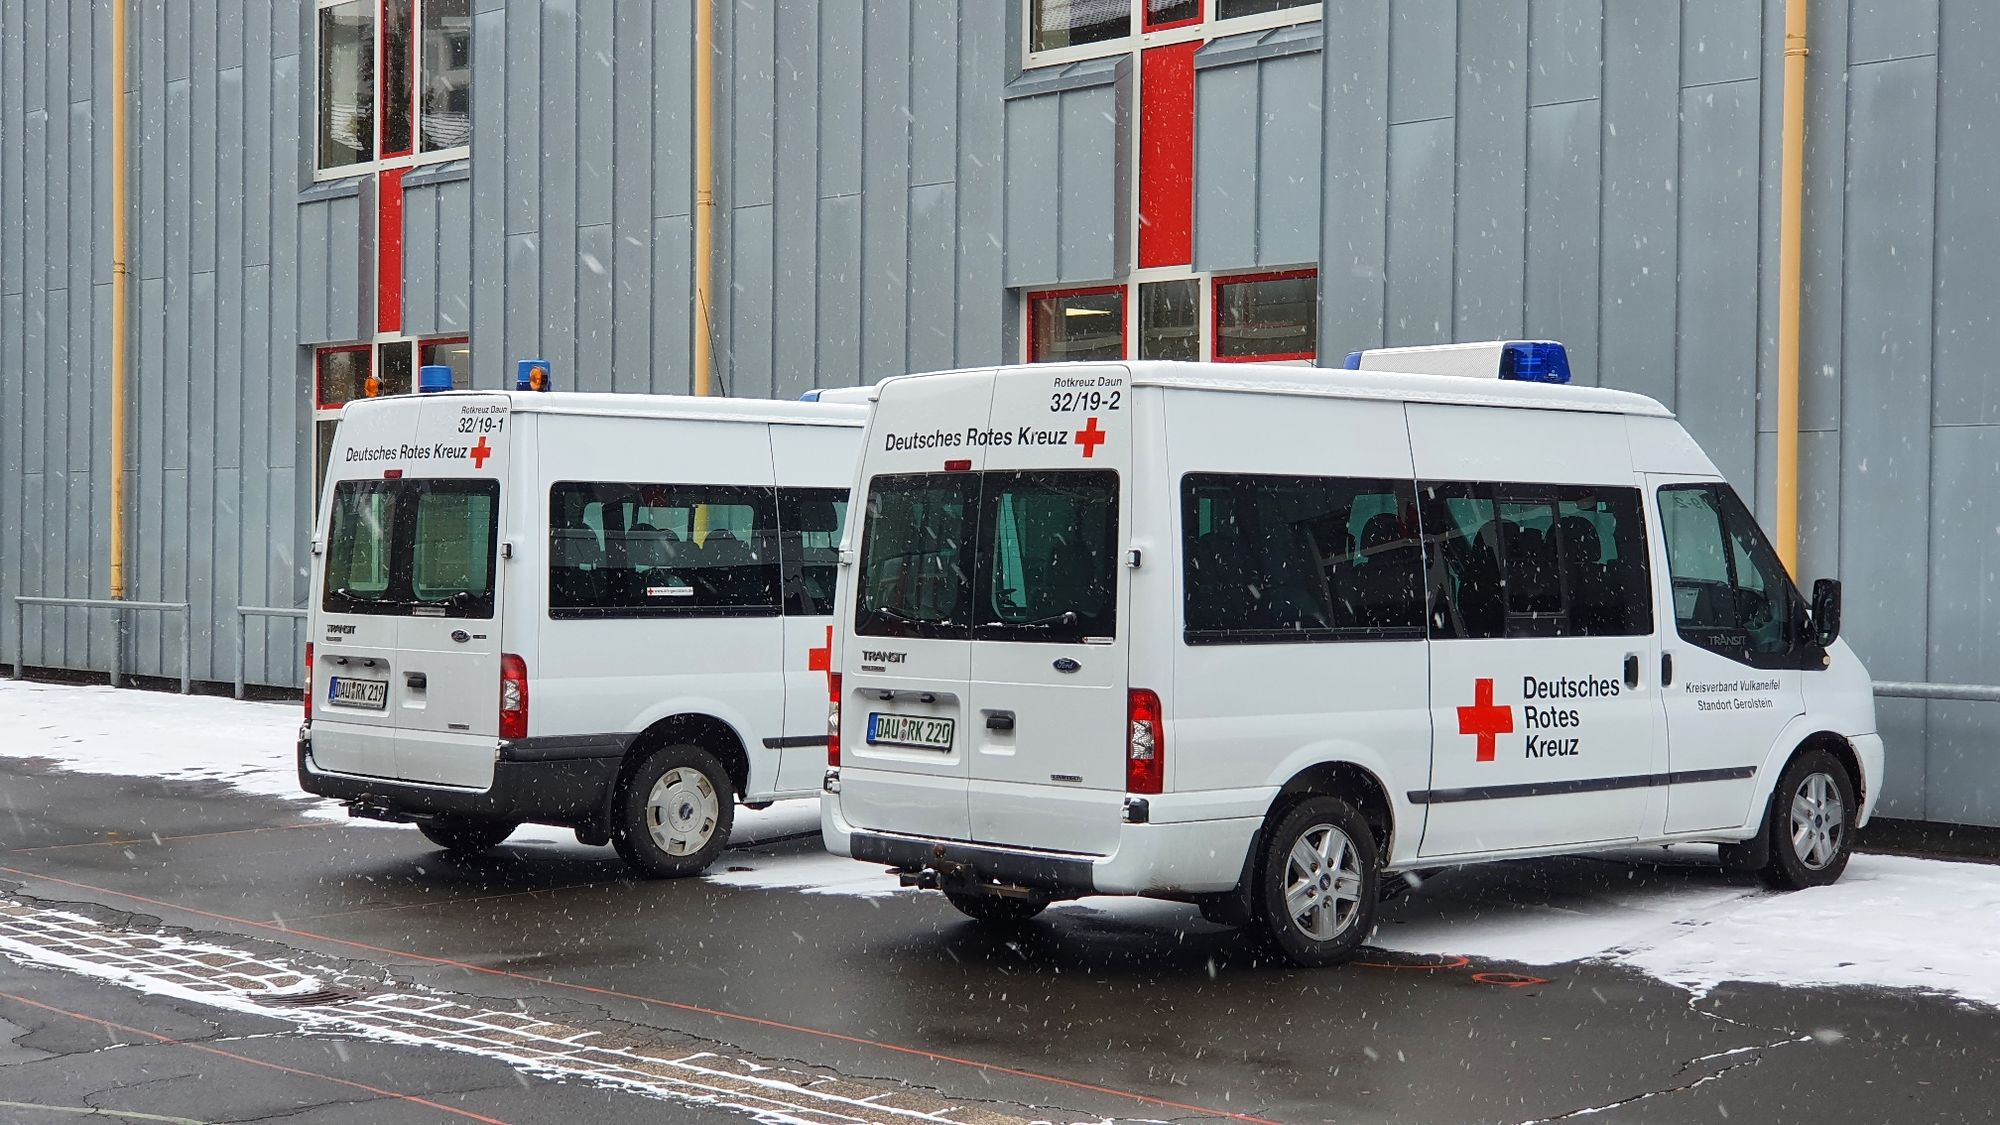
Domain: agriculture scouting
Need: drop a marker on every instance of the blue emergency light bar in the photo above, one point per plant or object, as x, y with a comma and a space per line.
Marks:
531, 375
1519, 361
810, 396
433, 377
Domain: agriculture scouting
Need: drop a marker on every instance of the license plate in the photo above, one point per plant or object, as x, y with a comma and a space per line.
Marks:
910, 730
346, 691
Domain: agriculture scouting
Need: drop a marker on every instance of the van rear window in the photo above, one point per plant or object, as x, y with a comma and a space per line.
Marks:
410, 547
1015, 556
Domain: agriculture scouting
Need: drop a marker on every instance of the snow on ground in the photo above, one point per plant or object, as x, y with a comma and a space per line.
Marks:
1892, 921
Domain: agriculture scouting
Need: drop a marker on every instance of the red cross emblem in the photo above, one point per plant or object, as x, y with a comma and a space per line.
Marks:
1090, 437
481, 452
821, 659
1484, 719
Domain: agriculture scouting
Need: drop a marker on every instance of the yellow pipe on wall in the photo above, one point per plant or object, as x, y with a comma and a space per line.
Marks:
1791, 199
119, 271
704, 186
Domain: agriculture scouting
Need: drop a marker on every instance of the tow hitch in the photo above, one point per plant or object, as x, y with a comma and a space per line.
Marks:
370, 808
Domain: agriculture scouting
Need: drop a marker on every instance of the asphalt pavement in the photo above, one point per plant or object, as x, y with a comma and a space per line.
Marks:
1137, 1011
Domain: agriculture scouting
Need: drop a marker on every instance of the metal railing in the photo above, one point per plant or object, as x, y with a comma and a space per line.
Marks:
1905, 689
243, 615
23, 601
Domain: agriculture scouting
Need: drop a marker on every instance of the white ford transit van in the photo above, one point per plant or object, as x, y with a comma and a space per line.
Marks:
1267, 638
604, 612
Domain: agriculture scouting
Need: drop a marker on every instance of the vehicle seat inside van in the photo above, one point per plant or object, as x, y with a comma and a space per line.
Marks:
576, 568
1389, 575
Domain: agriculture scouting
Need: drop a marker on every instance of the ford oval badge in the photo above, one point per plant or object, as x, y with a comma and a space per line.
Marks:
1065, 664
460, 635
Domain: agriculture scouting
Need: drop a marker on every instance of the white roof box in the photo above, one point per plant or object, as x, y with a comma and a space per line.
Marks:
1525, 361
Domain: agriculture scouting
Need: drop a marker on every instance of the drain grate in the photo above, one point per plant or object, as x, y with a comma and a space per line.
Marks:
318, 998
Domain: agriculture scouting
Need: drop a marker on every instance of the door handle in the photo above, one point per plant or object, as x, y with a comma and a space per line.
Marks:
1632, 669
999, 720
417, 680
1666, 668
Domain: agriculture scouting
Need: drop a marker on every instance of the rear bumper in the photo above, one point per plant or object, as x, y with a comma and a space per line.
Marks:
1165, 860
547, 789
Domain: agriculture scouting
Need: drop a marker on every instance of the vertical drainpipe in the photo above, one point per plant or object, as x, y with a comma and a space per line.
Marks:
1791, 193
704, 187
119, 271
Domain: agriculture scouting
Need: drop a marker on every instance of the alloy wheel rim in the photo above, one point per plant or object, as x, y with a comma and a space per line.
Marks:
1322, 882
681, 811
1819, 821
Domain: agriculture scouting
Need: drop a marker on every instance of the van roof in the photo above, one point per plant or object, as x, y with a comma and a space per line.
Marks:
1274, 379
660, 406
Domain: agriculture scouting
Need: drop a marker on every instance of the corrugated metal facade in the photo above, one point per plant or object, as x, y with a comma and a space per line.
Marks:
1601, 171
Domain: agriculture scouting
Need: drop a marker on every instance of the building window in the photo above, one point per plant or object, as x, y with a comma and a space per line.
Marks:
1076, 324
1267, 316
416, 104
351, 371
1062, 31
1270, 317
347, 84
455, 354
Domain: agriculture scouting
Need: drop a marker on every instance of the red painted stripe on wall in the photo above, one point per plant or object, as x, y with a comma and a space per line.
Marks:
1166, 155
389, 251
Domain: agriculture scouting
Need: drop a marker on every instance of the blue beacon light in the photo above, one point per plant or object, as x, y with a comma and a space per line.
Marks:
1534, 361
432, 378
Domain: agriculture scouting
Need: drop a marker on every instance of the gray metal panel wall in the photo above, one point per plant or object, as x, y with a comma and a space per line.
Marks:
1619, 192
1257, 141
1066, 174
214, 378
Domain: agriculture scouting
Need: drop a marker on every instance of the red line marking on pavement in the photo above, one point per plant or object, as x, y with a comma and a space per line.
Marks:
1508, 980
219, 1052
1458, 961
675, 1005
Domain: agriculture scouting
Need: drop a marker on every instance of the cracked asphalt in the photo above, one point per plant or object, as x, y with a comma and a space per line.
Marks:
1141, 1013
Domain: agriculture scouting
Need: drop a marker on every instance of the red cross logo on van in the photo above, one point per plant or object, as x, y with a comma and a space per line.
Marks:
481, 452
1485, 720
1090, 437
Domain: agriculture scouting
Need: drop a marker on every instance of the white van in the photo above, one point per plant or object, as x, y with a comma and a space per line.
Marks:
1267, 639
603, 612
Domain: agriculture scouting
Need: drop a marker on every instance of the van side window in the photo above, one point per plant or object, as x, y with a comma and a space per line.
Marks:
651, 550
1534, 560
1275, 559
809, 525
1731, 594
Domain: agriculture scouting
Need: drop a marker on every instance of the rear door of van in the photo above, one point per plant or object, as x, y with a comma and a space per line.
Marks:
906, 654
356, 624
447, 686
814, 469
1050, 627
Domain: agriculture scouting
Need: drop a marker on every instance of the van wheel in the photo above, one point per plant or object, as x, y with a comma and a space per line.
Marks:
464, 835
674, 813
981, 907
1318, 884
1812, 823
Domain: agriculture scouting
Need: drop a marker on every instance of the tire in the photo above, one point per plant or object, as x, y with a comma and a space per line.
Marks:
995, 908
674, 813
1319, 882
1811, 822
462, 835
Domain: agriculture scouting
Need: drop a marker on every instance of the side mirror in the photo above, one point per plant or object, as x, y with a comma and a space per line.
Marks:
1825, 611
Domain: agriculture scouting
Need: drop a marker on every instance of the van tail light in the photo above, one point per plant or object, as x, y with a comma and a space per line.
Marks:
309, 681
513, 696
833, 720
1145, 743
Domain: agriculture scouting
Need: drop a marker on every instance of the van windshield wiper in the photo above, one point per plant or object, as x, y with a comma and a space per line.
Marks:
894, 614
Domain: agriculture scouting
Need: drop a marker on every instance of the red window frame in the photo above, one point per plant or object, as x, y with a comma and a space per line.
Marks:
1124, 314
1146, 17
1215, 315
319, 372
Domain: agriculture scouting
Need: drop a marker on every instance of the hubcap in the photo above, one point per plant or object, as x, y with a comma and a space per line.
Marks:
1322, 882
1819, 821
681, 811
